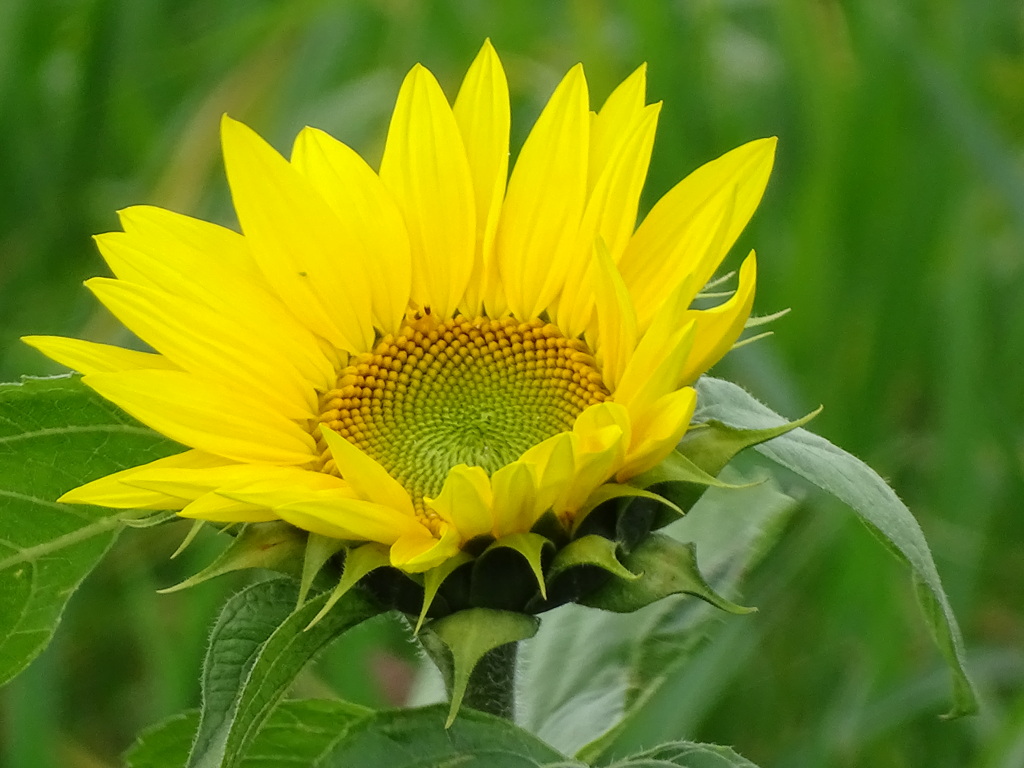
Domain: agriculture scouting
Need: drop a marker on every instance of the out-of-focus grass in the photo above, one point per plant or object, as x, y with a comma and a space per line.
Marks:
894, 227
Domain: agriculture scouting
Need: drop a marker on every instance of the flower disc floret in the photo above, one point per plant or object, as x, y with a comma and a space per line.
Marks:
479, 392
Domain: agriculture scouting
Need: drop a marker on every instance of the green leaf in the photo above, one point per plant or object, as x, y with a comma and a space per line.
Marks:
258, 646
417, 738
55, 434
687, 754
296, 733
164, 745
459, 641
666, 567
852, 481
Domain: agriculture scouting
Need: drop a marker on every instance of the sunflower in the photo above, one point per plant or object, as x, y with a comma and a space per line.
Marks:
433, 353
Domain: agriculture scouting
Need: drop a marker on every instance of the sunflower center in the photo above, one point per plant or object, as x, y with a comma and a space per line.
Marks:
478, 392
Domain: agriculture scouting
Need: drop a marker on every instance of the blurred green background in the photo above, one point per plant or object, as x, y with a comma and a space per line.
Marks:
893, 226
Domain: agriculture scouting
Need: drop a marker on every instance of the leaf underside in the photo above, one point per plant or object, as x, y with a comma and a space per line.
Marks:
853, 482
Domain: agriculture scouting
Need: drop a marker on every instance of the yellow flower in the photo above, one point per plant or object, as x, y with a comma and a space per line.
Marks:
424, 355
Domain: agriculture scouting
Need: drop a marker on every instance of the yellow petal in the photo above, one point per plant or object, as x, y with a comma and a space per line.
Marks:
368, 478
656, 436
335, 514
515, 498
425, 168
616, 197
189, 242
217, 509
163, 254
288, 485
539, 228
91, 357
600, 438
618, 114
207, 344
116, 491
656, 367
369, 216
596, 459
555, 459
206, 415
674, 243
616, 318
718, 328
610, 215
599, 416
191, 483
465, 501
419, 551
482, 114
297, 241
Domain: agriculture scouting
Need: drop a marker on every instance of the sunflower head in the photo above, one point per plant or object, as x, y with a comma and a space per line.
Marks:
460, 381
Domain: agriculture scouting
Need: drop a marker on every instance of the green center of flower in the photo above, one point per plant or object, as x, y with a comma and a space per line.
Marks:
478, 392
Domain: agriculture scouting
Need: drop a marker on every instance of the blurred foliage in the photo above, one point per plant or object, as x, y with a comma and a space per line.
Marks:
894, 227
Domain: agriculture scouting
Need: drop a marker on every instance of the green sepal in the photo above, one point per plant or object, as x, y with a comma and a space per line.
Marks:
609, 492
679, 468
666, 567
150, 521
277, 546
551, 528
434, 578
460, 640
679, 475
319, 549
590, 550
711, 445
532, 547
197, 526
359, 561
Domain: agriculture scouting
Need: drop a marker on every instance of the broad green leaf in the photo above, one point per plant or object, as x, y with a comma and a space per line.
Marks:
686, 754
164, 745
417, 738
258, 646
296, 733
853, 482
588, 669
55, 434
